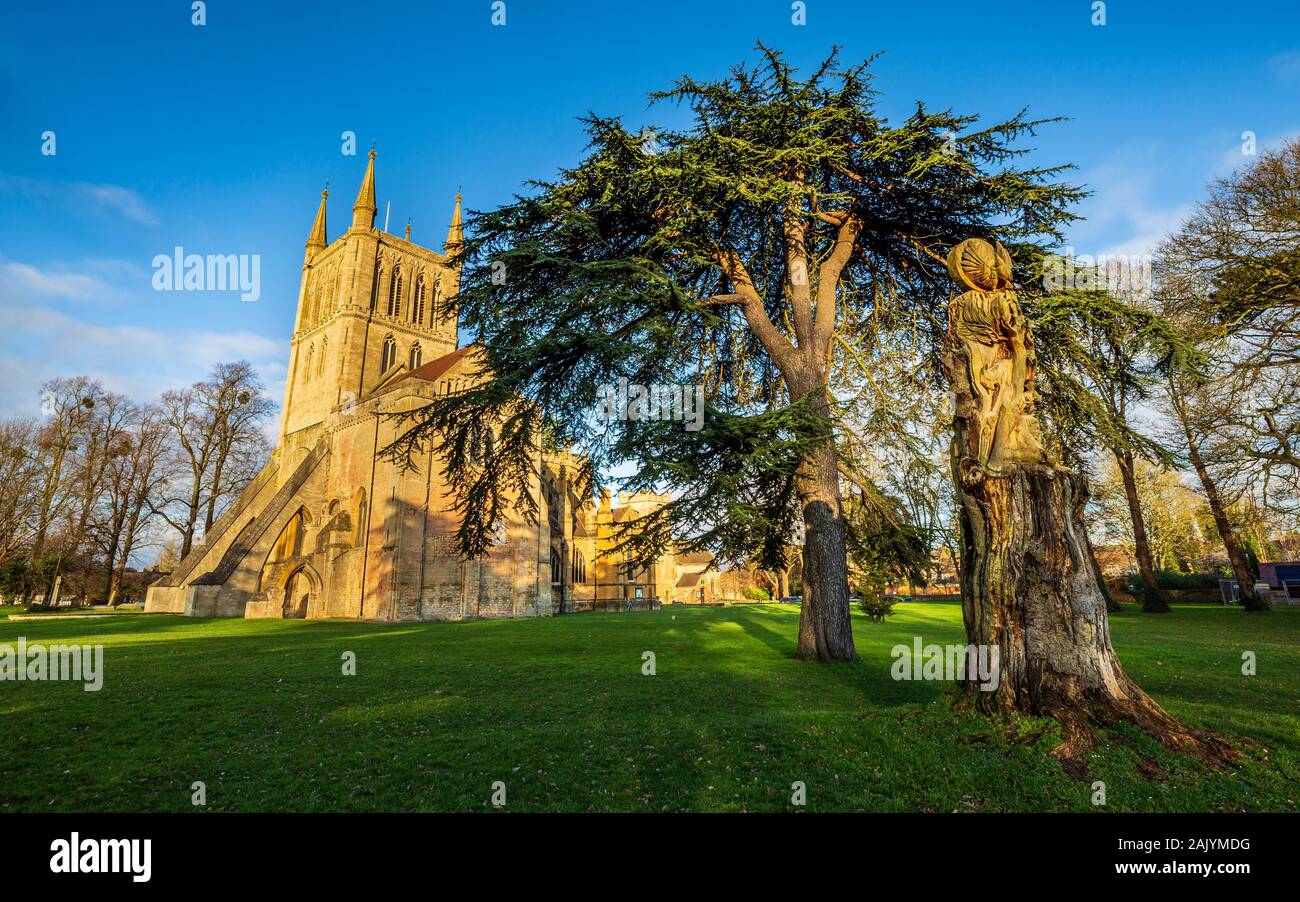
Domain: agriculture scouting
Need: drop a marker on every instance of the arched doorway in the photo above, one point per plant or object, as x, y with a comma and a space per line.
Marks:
297, 591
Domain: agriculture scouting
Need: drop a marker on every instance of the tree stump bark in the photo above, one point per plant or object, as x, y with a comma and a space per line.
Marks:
1029, 590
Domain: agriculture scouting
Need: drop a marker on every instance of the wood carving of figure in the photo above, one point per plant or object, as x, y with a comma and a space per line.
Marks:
990, 357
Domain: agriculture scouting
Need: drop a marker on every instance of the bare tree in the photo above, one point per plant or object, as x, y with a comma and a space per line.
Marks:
20, 487
1189, 404
68, 405
137, 474
1233, 270
217, 427
102, 437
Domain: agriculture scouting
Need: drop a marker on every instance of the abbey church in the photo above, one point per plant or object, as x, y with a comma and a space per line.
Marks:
328, 529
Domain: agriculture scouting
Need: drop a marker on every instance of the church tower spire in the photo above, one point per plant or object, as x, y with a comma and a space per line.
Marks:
455, 234
364, 210
318, 238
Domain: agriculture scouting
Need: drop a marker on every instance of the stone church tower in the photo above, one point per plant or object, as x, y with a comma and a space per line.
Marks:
329, 528
365, 300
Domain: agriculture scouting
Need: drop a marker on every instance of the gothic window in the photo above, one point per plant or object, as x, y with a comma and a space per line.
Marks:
311, 355
309, 303
415, 356
579, 567
417, 302
324, 353
395, 293
557, 571
287, 545
390, 354
374, 288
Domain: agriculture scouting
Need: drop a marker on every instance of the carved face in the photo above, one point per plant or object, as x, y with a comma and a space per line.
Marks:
977, 265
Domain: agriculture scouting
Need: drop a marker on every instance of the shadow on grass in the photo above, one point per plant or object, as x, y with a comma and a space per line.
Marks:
562, 712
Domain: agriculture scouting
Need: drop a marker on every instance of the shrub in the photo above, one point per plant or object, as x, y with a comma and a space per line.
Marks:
754, 593
877, 607
1167, 579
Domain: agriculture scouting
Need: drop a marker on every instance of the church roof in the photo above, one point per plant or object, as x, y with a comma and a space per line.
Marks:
434, 369
686, 580
696, 557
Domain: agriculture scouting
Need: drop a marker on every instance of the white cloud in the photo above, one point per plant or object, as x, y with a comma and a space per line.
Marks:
99, 280
115, 199
1233, 158
23, 280
1122, 215
40, 344
122, 200
41, 341
1285, 65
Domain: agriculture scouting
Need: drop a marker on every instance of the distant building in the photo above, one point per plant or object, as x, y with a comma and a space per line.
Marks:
1277, 573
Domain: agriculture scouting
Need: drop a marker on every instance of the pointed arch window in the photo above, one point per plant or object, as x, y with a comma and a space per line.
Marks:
417, 301
287, 545
309, 303
311, 356
395, 293
557, 569
414, 360
324, 353
318, 306
579, 567
389, 356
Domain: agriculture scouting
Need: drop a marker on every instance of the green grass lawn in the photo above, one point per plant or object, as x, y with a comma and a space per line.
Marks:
560, 711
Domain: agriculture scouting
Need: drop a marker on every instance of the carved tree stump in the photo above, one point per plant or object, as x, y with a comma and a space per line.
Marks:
1028, 585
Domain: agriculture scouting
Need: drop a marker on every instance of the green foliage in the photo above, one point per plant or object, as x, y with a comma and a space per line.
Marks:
883, 546
1168, 579
754, 593
1098, 357
877, 606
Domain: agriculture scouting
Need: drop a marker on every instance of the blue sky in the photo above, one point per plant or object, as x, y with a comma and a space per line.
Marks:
219, 138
